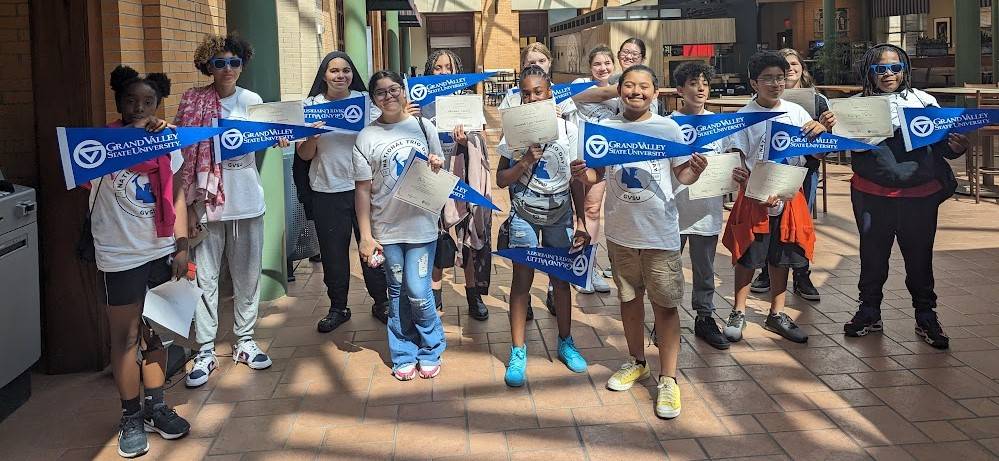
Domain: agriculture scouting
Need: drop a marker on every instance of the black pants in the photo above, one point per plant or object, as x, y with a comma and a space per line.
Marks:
880, 221
335, 220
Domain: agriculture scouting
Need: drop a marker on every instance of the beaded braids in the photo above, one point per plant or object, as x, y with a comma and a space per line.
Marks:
867, 77
123, 77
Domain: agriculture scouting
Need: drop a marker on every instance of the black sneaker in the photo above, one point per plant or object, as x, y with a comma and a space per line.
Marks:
928, 328
476, 308
762, 282
706, 329
864, 322
165, 421
550, 301
803, 286
781, 324
132, 441
378, 311
334, 319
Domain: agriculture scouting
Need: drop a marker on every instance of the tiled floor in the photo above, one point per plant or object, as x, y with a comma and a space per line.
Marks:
885, 397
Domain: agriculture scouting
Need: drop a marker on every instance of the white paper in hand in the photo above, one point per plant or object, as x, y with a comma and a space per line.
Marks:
171, 305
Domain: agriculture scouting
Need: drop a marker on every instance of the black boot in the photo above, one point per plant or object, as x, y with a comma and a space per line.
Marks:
439, 300
476, 308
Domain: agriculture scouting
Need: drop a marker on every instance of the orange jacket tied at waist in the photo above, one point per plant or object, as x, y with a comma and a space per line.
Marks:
749, 218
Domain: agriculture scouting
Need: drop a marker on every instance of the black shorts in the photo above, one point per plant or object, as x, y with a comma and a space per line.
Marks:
129, 286
767, 249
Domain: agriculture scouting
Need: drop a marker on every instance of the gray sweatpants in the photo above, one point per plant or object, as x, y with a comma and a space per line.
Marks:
242, 240
702, 263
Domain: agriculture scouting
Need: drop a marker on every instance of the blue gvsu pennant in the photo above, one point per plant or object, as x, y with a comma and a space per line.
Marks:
240, 137
559, 263
700, 130
604, 146
563, 91
423, 90
349, 114
786, 141
89, 153
930, 125
462, 191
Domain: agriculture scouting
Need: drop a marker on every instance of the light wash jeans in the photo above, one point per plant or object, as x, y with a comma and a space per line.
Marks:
415, 332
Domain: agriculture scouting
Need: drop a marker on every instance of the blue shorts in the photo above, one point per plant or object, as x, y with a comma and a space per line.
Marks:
523, 234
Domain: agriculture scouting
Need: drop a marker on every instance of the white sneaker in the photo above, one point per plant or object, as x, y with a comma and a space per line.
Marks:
599, 285
249, 353
204, 364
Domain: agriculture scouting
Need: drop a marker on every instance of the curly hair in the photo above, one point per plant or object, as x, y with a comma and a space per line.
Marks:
428, 69
123, 77
691, 70
213, 45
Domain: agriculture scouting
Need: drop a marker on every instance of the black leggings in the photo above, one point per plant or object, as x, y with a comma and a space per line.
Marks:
913, 221
335, 220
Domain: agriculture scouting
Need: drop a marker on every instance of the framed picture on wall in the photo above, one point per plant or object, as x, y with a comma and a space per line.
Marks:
941, 29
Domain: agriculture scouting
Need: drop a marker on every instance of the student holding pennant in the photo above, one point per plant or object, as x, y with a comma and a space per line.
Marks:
896, 193
643, 234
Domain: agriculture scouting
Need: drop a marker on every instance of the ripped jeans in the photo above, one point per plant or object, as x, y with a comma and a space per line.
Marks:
415, 332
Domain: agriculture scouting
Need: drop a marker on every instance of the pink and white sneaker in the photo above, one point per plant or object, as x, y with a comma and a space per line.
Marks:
405, 372
430, 371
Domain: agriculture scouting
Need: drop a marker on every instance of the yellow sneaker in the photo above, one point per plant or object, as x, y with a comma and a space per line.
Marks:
668, 400
624, 378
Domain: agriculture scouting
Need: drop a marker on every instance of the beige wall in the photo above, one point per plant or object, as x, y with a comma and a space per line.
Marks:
418, 47
299, 46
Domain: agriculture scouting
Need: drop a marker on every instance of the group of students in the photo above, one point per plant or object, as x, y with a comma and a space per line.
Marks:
556, 202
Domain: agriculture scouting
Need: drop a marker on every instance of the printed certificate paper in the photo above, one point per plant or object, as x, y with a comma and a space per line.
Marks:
287, 112
769, 178
864, 117
804, 97
460, 109
421, 187
527, 124
716, 180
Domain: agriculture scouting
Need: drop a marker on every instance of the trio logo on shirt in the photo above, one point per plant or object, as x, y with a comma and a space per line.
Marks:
393, 162
597, 146
90, 154
635, 183
552, 170
134, 194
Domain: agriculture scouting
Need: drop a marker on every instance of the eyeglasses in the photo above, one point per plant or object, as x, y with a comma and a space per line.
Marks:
772, 81
882, 69
234, 62
629, 54
392, 91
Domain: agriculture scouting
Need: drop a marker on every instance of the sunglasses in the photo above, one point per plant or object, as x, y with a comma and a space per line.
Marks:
882, 69
221, 63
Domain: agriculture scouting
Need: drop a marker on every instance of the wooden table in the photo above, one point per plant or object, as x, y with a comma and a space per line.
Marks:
727, 104
960, 91
669, 98
844, 89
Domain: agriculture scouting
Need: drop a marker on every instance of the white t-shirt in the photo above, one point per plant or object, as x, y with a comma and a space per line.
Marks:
332, 169
639, 209
551, 173
122, 221
244, 194
594, 112
751, 140
380, 154
700, 216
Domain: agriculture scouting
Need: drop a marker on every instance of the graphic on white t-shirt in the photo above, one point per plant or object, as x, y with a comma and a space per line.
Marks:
394, 160
134, 194
635, 183
552, 170
239, 163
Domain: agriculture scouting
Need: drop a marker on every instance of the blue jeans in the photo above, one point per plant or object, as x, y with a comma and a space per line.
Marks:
415, 332
524, 234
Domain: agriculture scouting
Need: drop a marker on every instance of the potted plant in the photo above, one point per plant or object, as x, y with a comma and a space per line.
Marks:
927, 46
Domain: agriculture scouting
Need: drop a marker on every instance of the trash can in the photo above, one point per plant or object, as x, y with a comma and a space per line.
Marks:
301, 237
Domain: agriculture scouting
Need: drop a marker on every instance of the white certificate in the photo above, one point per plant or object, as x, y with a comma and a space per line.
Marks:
864, 117
716, 180
804, 97
769, 178
527, 124
421, 187
287, 112
460, 109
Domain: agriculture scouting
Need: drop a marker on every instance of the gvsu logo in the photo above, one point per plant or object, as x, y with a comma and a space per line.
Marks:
90, 154
580, 265
597, 146
781, 140
921, 126
353, 114
418, 92
232, 139
689, 134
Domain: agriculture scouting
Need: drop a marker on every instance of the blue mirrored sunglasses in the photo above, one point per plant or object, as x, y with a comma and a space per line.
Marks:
882, 69
233, 62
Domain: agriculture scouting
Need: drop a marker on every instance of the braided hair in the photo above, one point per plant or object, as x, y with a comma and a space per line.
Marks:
867, 77
535, 71
123, 77
428, 69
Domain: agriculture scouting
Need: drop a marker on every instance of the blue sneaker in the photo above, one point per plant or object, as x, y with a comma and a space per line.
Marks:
516, 367
568, 354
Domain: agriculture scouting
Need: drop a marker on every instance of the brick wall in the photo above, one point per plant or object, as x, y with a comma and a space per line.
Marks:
158, 36
17, 137
497, 35
301, 47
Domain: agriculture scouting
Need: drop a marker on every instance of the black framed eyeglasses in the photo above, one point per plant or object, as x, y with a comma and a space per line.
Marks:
881, 69
393, 91
234, 62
